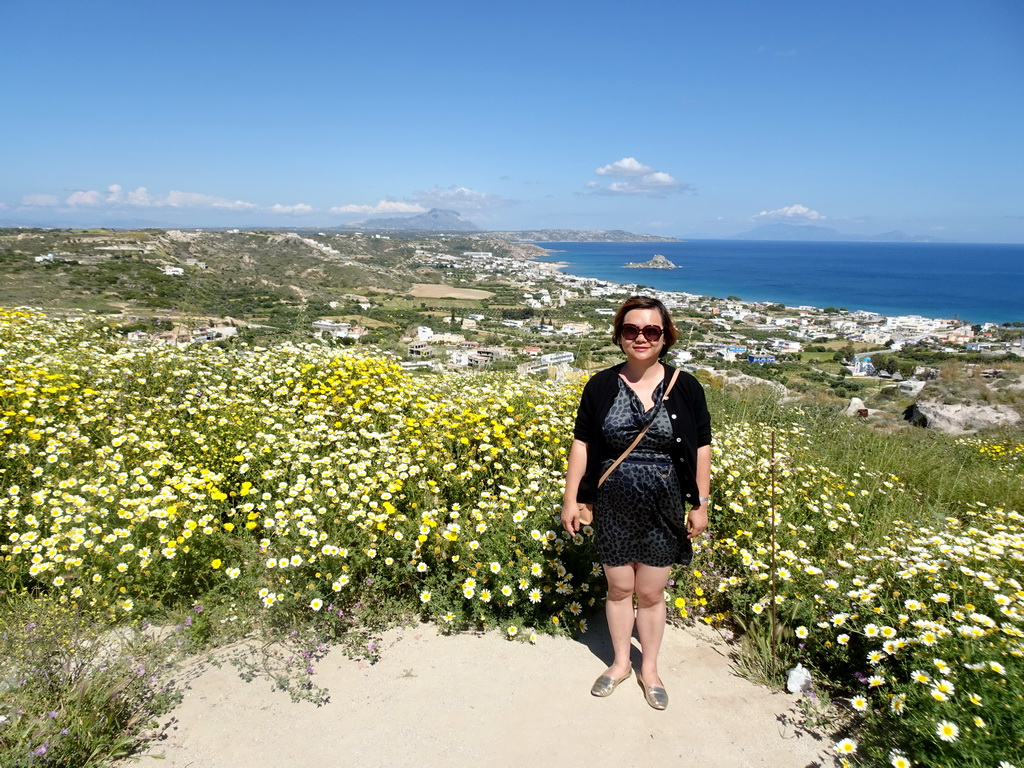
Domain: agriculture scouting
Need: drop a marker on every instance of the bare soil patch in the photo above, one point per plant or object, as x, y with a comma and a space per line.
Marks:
437, 291
472, 700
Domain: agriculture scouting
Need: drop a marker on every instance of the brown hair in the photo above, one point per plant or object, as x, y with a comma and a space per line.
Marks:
670, 335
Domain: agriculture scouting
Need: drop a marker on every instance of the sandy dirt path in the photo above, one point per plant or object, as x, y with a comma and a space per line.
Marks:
479, 700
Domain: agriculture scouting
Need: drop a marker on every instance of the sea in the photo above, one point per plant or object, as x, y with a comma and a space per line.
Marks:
970, 282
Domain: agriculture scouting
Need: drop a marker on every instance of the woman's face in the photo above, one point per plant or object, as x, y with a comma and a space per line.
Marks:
640, 349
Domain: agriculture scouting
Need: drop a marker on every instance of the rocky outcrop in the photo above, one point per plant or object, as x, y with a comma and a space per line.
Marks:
960, 418
858, 409
742, 381
658, 262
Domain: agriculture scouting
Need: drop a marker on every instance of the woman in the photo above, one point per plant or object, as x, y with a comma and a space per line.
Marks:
641, 524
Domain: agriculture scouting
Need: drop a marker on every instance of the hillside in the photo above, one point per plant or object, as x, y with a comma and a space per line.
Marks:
237, 274
300, 496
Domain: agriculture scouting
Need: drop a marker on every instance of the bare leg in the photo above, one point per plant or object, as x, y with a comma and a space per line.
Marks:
650, 617
619, 611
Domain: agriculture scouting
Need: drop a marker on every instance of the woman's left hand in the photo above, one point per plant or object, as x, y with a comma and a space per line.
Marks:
697, 521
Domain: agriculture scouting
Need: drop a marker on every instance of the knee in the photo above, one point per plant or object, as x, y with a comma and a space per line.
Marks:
649, 599
616, 593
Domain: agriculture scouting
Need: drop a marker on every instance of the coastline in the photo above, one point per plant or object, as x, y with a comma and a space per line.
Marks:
957, 283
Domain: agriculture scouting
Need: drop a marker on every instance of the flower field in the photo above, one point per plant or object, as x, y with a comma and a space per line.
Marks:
916, 623
305, 482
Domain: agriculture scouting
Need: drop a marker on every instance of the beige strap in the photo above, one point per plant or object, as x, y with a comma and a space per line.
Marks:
639, 437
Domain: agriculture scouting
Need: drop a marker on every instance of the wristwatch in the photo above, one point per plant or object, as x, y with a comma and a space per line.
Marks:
703, 498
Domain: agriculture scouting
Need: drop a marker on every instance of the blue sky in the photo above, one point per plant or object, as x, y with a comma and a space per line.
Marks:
692, 119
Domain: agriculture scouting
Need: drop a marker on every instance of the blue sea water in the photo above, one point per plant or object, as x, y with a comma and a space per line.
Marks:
972, 282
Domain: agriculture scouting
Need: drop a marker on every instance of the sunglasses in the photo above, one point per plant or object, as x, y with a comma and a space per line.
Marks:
651, 332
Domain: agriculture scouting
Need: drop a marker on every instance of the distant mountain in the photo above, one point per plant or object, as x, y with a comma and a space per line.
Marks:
898, 236
434, 220
790, 232
580, 236
809, 233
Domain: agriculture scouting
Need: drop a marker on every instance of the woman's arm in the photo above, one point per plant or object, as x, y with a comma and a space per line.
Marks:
697, 518
577, 466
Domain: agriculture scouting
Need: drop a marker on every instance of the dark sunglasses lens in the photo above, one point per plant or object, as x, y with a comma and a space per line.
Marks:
652, 333
630, 332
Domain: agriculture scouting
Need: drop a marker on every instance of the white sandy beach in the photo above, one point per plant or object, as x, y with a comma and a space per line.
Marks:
471, 700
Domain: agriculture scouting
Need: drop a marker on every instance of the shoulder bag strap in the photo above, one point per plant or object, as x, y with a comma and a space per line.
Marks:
639, 437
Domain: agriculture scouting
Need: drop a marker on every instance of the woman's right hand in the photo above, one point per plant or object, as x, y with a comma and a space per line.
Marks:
571, 517
577, 466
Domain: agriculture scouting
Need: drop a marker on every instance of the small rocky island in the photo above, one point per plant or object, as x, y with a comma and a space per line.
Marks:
658, 262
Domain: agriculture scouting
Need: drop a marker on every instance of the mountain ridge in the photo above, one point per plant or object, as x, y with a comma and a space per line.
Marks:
811, 233
579, 236
434, 220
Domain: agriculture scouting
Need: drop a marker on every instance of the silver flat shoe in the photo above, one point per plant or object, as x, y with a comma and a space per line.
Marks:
605, 684
656, 696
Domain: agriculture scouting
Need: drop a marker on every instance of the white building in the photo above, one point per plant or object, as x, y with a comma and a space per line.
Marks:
575, 329
555, 358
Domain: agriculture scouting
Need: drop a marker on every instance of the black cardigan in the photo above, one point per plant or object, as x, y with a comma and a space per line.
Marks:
691, 425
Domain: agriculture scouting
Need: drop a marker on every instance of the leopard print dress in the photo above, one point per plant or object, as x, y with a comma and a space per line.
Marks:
639, 516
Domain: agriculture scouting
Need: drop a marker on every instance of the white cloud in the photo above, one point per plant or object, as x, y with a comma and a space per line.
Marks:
116, 197
297, 208
627, 167
638, 179
40, 201
384, 206
789, 213
177, 199
90, 197
139, 196
461, 199
648, 184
